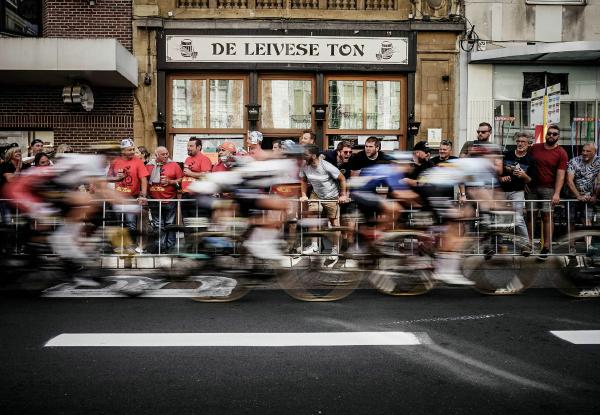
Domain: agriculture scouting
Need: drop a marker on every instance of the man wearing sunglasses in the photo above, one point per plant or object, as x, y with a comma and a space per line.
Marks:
340, 157
550, 167
484, 132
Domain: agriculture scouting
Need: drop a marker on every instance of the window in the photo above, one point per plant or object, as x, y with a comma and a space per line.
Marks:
286, 104
365, 104
560, 2
21, 17
203, 103
577, 122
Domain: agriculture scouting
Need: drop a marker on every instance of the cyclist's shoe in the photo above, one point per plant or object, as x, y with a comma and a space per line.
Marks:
452, 278
265, 249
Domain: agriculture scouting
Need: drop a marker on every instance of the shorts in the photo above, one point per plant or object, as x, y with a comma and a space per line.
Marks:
541, 193
438, 199
329, 208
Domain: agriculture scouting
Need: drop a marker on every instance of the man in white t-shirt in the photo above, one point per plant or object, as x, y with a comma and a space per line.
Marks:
328, 188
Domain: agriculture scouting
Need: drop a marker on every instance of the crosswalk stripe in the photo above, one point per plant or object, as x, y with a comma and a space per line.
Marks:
578, 336
385, 338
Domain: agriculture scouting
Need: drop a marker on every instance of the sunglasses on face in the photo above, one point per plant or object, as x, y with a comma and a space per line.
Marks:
482, 131
347, 151
553, 134
446, 143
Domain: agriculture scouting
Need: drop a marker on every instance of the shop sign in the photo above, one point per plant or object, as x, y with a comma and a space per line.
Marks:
278, 49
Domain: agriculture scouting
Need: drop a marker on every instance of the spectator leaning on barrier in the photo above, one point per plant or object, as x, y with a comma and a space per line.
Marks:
340, 157
484, 132
550, 166
516, 174
165, 176
369, 156
328, 185
133, 179
582, 180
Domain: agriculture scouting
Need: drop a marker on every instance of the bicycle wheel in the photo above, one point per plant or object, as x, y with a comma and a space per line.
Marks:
495, 264
320, 276
580, 277
406, 263
315, 282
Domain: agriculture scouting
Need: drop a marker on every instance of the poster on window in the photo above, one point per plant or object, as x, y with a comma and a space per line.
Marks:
537, 108
554, 104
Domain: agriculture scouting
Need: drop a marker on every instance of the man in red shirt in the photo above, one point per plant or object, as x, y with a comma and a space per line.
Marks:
225, 152
165, 176
194, 167
133, 179
550, 167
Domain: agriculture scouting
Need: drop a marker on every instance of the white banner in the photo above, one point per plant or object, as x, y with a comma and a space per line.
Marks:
554, 104
284, 49
537, 108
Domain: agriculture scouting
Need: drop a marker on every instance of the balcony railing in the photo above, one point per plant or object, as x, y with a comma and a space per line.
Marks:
375, 5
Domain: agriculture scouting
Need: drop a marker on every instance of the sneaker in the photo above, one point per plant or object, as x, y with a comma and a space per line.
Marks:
544, 254
526, 251
334, 254
311, 250
265, 249
452, 279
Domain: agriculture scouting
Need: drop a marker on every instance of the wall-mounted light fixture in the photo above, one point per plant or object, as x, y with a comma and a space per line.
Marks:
253, 112
320, 111
160, 126
413, 128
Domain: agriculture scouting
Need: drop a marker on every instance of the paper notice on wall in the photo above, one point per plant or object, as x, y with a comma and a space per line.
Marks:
536, 116
180, 142
389, 145
434, 137
554, 104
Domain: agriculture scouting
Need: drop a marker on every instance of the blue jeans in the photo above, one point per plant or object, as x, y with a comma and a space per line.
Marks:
162, 217
518, 205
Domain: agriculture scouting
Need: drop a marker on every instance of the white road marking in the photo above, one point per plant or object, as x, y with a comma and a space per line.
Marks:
578, 336
379, 338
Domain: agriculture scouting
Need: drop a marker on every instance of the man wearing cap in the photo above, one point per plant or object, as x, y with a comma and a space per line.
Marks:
421, 163
165, 176
255, 150
133, 178
225, 151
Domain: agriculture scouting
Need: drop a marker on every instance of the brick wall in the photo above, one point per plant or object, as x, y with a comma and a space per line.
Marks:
42, 109
77, 19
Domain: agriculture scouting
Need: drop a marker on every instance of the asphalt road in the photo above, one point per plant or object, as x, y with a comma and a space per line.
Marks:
489, 355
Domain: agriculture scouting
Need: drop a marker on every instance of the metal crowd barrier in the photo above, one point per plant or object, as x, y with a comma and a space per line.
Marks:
188, 218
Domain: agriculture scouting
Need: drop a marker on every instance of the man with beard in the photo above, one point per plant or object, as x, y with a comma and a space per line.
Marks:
420, 163
582, 176
369, 156
550, 167
340, 157
194, 167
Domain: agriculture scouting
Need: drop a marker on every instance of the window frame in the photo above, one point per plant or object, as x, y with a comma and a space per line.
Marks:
171, 131
286, 77
400, 132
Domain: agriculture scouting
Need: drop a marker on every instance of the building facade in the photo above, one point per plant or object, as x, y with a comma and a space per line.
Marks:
67, 72
517, 48
343, 69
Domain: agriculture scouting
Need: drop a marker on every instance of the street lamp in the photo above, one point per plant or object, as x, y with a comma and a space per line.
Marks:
320, 111
253, 112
